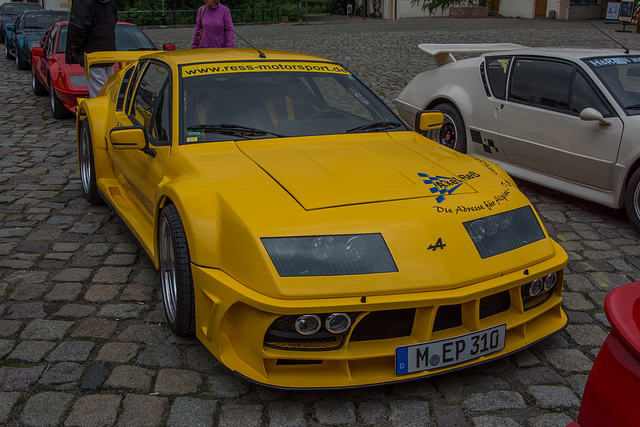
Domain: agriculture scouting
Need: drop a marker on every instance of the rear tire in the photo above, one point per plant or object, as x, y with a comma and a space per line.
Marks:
38, 88
453, 133
632, 199
87, 166
175, 273
58, 109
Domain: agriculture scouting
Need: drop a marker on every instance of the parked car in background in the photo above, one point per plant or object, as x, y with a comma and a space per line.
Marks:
612, 392
302, 231
10, 11
49, 70
27, 32
567, 119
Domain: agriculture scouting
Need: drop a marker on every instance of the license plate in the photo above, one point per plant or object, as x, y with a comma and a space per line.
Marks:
450, 351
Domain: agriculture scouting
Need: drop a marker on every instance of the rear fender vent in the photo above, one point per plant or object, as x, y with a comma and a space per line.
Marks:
123, 89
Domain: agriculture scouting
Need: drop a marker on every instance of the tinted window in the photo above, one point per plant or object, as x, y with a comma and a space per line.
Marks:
497, 71
130, 37
584, 96
151, 105
543, 83
44, 19
621, 75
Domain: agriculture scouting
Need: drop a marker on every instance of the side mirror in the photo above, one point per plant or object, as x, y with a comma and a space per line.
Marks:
428, 120
11, 28
128, 137
593, 115
169, 46
37, 51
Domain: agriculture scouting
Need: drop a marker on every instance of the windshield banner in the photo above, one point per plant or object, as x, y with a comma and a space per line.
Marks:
250, 67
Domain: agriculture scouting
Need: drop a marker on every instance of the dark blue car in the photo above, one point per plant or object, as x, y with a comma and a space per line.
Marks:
9, 12
27, 32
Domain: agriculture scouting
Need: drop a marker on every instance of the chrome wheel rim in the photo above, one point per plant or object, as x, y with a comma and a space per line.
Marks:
446, 135
52, 94
167, 271
85, 161
636, 201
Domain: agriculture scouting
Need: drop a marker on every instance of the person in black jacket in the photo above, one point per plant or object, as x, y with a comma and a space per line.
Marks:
92, 28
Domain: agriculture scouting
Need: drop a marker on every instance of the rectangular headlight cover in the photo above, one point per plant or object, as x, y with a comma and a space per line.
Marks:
330, 255
504, 232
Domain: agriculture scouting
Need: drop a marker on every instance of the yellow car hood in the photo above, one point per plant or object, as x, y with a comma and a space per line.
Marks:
349, 170
412, 191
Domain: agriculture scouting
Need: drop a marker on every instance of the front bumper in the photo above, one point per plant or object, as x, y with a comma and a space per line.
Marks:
232, 322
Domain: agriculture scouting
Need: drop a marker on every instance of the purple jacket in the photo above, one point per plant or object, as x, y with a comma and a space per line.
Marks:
217, 27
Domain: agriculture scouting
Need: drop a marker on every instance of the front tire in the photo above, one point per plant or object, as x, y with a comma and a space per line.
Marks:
58, 109
38, 88
175, 273
453, 133
632, 199
87, 166
20, 64
6, 52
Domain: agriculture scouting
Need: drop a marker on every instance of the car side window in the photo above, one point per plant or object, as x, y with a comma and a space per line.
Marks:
584, 96
543, 83
152, 103
497, 72
51, 41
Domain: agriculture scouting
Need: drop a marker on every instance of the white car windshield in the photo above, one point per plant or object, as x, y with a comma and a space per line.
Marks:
247, 105
621, 75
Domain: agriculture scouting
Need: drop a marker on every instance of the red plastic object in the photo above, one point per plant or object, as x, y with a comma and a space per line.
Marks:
612, 394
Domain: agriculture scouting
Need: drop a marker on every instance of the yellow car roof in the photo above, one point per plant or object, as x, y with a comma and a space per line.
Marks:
194, 56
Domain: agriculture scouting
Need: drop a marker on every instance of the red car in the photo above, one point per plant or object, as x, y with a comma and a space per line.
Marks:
612, 394
48, 69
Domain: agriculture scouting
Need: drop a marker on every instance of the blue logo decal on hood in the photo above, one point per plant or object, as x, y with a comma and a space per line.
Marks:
440, 184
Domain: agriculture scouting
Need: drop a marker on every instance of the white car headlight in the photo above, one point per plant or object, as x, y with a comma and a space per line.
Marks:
504, 232
329, 255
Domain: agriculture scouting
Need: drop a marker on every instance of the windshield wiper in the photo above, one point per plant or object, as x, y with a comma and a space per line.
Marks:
377, 126
632, 107
234, 130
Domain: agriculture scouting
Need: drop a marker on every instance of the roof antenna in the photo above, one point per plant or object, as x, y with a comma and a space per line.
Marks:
626, 50
261, 54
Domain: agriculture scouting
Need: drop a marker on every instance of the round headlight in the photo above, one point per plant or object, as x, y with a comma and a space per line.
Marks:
505, 219
322, 247
355, 248
550, 281
308, 324
338, 323
491, 225
535, 287
286, 248
477, 230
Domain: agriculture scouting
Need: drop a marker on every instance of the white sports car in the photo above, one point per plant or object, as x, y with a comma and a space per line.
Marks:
567, 119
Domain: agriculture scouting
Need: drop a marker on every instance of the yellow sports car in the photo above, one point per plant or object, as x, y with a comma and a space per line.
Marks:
303, 232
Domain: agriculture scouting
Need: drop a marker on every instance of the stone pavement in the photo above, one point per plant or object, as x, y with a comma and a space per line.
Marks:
82, 335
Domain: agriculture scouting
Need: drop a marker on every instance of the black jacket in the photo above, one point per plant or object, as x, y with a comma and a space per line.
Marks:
92, 28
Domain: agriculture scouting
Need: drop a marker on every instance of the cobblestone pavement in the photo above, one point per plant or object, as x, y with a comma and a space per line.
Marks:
82, 335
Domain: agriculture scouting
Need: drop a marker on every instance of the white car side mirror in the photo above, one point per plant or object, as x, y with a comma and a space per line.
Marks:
592, 115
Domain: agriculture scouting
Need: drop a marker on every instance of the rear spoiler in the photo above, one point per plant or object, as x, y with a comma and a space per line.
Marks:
442, 53
97, 59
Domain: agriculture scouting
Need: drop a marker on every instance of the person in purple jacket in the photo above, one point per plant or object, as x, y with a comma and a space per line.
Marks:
214, 27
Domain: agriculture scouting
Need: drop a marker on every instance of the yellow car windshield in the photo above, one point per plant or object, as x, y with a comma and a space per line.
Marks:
233, 102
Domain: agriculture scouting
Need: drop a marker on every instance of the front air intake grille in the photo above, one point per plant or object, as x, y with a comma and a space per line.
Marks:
447, 316
494, 304
380, 325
